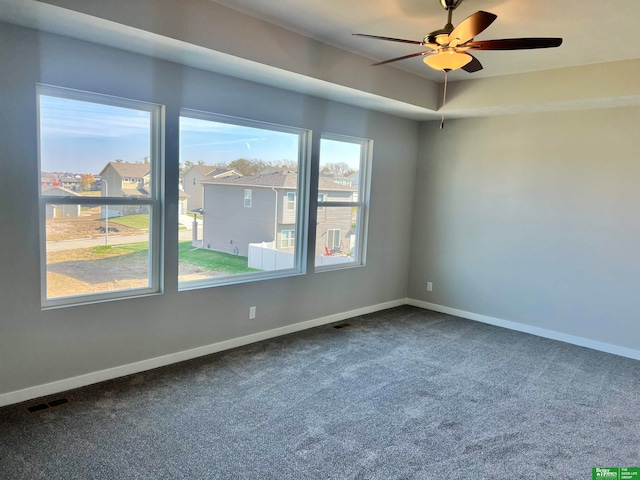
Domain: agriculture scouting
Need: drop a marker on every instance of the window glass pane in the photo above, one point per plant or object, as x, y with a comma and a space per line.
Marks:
94, 149
94, 249
337, 236
340, 163
291, 201
226, 168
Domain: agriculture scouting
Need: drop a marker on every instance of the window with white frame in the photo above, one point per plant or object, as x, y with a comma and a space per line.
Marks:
234, 243
287, 238
291, 201
105, 246
342, 213
333, 239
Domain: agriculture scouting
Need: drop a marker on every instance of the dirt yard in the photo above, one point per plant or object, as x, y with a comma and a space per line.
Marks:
88, 225
87, 270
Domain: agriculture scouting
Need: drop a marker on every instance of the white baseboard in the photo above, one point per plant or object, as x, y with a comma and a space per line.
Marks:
521, 327
144, 365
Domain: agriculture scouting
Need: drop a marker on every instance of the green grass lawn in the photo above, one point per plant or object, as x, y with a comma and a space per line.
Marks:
140, 248
139, 221
211, 260
205, 259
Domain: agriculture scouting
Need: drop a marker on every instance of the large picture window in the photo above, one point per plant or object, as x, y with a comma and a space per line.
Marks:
243, 164
343, 199
100, 160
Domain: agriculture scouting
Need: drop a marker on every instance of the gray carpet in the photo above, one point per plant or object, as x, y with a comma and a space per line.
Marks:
399, 394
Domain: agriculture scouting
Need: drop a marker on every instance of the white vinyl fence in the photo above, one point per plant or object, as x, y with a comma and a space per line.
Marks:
264, 256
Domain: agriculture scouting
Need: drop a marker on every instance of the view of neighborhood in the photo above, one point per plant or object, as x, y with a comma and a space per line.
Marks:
222, 216
238, 199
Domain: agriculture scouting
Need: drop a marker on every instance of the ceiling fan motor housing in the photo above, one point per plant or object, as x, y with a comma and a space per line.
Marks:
450, 4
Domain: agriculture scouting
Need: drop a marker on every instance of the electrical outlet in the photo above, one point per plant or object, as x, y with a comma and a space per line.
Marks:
429, 287
252, 313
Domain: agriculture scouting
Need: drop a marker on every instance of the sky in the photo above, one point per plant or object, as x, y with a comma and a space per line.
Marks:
216, 142
82, 137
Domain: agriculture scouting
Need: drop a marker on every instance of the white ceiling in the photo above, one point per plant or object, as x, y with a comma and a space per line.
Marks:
589, 29
307, 46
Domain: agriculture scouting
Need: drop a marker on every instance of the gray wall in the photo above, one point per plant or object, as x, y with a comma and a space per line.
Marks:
533, 219
38, 346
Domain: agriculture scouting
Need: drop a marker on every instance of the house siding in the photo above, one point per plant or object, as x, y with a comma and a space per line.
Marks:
229, 226
195, 192
331, 218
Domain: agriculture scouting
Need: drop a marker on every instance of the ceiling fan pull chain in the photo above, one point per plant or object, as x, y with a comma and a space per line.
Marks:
444, 97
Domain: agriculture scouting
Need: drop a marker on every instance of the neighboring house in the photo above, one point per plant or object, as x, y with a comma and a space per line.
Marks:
123, 179
49, 181
263, 208
71, 183
337, 179
192, 182
56, 211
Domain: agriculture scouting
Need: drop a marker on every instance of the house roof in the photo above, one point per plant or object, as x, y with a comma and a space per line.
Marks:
211, 170
134, 192
126, 169
202, 169
222, 172
280, 179
54, 189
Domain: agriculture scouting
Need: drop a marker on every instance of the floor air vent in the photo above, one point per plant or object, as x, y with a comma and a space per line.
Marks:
40, 407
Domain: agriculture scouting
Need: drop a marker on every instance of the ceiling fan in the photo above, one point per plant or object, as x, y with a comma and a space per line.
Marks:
448, 48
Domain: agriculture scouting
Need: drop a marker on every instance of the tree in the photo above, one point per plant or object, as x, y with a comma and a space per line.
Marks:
338, 169
247, 167
186, 166
290, 165
86, 182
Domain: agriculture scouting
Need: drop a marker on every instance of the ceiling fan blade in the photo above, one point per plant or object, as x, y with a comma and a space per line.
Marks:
515, 44
390, 39
473, 66
402, 58
470, 27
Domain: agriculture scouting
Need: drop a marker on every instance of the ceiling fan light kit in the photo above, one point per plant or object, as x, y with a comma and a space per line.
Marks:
447, 60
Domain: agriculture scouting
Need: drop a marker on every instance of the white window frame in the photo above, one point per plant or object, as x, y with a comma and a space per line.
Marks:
248, 195
153, 201
290, 205
333, 235
301, 214
362, 202
289, 240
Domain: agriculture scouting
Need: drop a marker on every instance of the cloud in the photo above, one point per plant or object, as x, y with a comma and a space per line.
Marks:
62, 117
